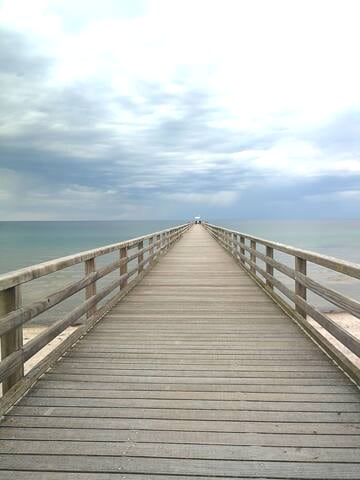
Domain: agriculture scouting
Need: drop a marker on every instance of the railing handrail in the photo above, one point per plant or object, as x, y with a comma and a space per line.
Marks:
247, 255
26, 274
342, 266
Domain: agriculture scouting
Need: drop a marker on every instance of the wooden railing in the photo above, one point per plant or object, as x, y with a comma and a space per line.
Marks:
144, 251
245, 249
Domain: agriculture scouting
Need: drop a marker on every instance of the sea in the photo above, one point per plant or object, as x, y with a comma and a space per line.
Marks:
27, 243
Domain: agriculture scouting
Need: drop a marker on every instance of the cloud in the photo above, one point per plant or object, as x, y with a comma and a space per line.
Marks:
222, 198
113, 110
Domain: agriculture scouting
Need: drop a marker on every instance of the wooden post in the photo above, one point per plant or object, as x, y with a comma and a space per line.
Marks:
90, 290
123, 267
10, 299
237, 248
242, 250
140, 257
300, 289
253, 256
234, 246
269, 268
151, 250
158, 241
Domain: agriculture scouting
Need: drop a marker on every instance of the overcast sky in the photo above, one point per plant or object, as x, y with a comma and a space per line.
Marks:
133, 109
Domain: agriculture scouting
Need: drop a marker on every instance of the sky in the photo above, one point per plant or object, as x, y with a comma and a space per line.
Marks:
166, 109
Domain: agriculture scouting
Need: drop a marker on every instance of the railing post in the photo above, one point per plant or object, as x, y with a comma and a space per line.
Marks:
90, 290
140, 257
227, 240
10, 299
151, 250
269, 268
158, 241
123, 267
234, 246
300, 289
253, 256
242, 250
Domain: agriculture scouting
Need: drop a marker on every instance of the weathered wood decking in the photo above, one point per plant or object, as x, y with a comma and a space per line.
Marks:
195, 374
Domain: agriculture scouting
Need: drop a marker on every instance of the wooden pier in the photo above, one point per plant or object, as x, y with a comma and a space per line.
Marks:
197, 373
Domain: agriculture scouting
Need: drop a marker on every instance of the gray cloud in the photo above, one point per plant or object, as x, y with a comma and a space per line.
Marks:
72, 152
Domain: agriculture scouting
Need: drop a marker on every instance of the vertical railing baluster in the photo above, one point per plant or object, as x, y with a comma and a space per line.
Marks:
10, 299
140, 257
242, 250
253, 256
158, 241
123, 266
90, 290
300, 289
233, 250
237, 247
269, 268
151, 250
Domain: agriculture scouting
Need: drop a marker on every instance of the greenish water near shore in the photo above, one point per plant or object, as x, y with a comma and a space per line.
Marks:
28, 243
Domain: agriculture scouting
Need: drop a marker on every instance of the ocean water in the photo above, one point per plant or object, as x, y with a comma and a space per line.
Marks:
28, 243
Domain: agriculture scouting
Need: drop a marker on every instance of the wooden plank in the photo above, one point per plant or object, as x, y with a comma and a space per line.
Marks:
183, 414
179, 451
181, 437
191, 380
47, 475
95, 363
308, 428
218, 405
168, 466
275, 387
77, 370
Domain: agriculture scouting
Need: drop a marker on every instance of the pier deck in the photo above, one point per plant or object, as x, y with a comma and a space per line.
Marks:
195, 374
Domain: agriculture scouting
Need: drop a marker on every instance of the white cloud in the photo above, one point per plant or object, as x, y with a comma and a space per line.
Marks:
266, 77
221, 198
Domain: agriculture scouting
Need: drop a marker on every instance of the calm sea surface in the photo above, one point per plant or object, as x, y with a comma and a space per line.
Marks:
27, 243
